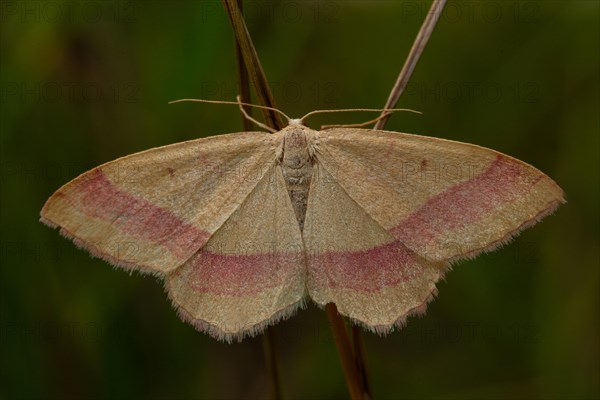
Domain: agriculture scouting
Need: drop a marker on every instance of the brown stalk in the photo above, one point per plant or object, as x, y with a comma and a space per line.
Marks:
269, 346
405, 73
342, 342
360, 360
255, 71
265, 97
352, 360
268, 338
413, 57
243, 81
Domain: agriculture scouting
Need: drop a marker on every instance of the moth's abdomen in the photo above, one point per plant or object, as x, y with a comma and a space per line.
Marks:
298, 185
296, 165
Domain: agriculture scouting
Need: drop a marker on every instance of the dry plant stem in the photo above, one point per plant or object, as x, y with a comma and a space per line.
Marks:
243, 81
265, 98
413, 57
269, 346
342, 342
255, 71
268, 338
360, 360
405, 73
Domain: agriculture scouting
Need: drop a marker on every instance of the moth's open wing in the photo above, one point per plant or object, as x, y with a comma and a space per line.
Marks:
251, 272
411, 205
153, 210
444, 200
353, 262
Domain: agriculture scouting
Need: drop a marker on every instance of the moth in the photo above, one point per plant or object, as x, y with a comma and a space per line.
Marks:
245, 227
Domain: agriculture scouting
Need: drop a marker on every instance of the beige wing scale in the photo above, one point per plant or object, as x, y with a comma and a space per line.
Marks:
372, 277
430, 201
152, 210
251, 273
211, 216
386, 214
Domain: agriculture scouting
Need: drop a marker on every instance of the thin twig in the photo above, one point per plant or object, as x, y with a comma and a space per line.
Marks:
361, 362
405, 73
342, 342
413, 57
352, 361
243, 80
255, 71
268, 338
269, 348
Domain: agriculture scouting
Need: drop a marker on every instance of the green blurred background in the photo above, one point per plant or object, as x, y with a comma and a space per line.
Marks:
86, 82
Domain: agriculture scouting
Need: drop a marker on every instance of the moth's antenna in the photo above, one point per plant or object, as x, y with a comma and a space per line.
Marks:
385, 111
240, 104
354, 125
249, 118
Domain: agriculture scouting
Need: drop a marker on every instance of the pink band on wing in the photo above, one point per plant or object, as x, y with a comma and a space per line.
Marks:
367, 270
240, 275
466, 202
98, 197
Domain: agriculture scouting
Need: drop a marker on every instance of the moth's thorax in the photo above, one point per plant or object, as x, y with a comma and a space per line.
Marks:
296, 163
